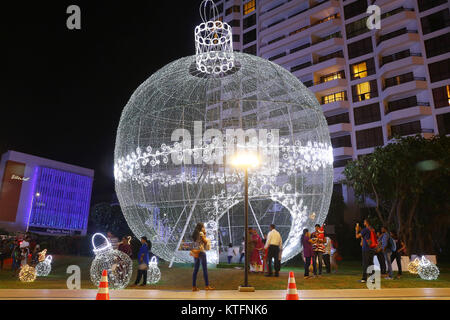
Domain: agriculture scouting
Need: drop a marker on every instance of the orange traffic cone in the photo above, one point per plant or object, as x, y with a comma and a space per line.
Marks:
103, 292
292, 293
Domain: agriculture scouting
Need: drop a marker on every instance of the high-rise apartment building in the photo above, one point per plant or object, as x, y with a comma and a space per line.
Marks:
372, 84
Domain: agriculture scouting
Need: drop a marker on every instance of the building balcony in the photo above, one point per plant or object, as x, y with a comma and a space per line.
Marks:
397, 17
307, 49
340, 128
412, 85
328, 66
426, 133
412, 59
305, 31
334, 107
411, 113
342, 152
300, 14
396, 39
325, 88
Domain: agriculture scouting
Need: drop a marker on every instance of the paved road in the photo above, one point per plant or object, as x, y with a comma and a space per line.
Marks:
348, 294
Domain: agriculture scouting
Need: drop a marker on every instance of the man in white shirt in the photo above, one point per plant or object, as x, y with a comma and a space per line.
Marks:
274, 243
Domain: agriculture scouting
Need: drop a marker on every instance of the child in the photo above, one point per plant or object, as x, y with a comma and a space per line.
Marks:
230, 253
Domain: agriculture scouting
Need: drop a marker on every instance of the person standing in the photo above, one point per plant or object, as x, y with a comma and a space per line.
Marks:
143, 261
242, 251
201, 243
255, 258
113, 240
396, 255
307, 251
327, 254
388, 246
379, 253
230, 252
16, 255
318, 250
369, 243
3, 252
334, 256
274, 244
125, 246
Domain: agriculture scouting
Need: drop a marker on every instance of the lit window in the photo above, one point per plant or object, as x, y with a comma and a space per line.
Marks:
363, 91
249, 7
360, 70
339, 96
331, 77
448, 94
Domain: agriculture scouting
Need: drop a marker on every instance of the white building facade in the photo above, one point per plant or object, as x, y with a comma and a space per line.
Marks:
372, 84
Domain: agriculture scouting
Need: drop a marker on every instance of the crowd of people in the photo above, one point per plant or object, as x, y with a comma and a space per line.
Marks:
384, 245
21, 250
318, 250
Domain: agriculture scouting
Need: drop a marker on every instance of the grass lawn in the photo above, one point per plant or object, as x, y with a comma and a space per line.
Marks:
225, 278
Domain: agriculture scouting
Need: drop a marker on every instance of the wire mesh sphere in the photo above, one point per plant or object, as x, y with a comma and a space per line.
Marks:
27, 273
44, 268
117, 263
428, 270
173, 147
153, 272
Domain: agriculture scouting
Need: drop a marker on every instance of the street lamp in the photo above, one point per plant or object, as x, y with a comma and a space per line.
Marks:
245, 160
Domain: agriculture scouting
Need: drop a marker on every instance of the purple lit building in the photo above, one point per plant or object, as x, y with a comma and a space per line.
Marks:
43, 196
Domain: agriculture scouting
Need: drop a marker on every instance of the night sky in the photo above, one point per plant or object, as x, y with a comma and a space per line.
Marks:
63, 91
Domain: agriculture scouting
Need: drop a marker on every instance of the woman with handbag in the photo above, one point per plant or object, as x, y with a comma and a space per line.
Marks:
201, 244
143, 261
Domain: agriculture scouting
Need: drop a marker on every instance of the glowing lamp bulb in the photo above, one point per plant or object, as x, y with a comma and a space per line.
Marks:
245, 160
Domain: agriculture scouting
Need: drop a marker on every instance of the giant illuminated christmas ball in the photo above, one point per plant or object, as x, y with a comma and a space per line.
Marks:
181, 126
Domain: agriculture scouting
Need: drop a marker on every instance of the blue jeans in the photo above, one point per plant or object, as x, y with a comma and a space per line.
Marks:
387, 257
229, 259
201, 259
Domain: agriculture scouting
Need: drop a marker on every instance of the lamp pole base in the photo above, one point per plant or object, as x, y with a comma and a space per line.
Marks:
246, 289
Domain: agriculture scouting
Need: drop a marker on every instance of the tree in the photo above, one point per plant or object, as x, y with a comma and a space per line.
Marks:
105, 217
409, 182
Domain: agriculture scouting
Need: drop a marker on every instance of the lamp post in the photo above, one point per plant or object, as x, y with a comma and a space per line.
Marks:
245, 161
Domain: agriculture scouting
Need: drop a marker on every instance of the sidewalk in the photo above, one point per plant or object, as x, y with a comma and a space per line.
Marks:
348, 294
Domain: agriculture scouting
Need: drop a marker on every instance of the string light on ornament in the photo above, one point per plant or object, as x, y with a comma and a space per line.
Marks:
27, 273
153, 272
117, 263
413, 266
44, 268
215, 87
428, 270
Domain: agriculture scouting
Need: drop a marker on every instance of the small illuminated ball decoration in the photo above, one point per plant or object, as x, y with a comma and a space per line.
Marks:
27, 273
413, 266
117, 263
44, 268
428, 270
174, 142
153, 272
42, 255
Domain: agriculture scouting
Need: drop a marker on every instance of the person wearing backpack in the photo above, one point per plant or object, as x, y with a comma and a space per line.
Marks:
369, 243
387, 246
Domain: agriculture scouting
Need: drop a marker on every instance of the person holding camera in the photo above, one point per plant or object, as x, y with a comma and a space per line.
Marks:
369, 243
201, 244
